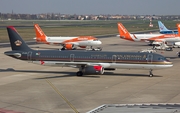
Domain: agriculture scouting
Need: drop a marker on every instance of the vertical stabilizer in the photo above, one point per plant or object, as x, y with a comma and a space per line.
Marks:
40, 35
162, 27
123, 32
16, 41
178, 26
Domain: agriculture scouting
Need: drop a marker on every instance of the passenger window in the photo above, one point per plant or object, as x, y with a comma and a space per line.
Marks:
160, 58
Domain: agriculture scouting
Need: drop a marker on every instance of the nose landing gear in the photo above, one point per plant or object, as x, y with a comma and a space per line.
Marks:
150, 73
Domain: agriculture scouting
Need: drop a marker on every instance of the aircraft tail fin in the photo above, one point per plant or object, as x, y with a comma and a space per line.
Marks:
40, 35
162, 27
17, 43
178, 26
123, 32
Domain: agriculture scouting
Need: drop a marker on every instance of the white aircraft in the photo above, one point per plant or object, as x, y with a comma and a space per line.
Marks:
151, 38
67, 42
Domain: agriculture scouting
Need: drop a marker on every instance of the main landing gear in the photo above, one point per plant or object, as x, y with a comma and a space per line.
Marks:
80, 72
150, 73
94, 49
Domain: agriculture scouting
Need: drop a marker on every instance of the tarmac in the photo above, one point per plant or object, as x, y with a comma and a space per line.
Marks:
31, 88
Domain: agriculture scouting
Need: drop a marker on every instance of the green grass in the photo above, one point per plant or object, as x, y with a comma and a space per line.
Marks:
76, 28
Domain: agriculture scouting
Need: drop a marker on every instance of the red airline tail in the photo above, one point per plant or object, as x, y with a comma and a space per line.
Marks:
123, 32
40, 36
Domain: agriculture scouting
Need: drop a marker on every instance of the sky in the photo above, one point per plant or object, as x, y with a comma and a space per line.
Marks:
96, 7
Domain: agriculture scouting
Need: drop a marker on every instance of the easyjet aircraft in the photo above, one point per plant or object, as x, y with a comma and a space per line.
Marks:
91, 62
152, 38
66, 42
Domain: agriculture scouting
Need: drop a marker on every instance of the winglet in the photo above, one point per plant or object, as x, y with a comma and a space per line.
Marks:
17, 43
40, 35
123, 32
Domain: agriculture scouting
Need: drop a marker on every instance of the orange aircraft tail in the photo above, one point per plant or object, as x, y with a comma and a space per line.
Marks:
40, 36
178, 27
123, 32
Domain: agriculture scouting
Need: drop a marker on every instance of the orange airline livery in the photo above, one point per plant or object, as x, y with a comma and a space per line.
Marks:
67, 42
152, 38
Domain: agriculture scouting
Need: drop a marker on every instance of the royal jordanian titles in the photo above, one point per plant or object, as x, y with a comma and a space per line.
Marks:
88, 62
152, 38
67, 42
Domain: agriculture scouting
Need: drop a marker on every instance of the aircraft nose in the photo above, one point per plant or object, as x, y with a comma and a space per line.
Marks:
167, 62
99, 42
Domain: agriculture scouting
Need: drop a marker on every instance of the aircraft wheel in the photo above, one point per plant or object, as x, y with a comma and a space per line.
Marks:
63, 48
100, 49
79, 73
74, 48
150, 73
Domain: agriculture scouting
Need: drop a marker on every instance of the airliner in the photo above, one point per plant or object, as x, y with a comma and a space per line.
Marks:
67, 42
88, 62
164, 30
151, 38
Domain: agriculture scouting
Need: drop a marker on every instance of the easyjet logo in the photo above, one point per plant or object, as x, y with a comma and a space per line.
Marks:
122, 28
39, 31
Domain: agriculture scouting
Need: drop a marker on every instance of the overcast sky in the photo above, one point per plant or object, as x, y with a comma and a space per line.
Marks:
122, 7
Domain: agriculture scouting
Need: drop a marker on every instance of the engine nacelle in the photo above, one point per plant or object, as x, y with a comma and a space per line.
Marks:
69, 46
94, 70
177, 43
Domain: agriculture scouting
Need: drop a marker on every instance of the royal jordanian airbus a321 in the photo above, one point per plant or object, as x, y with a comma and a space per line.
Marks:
91, 62
67, 42
152, 38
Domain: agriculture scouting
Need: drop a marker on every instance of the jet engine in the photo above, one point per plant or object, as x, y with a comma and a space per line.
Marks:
96, 69
69, 46
177, 43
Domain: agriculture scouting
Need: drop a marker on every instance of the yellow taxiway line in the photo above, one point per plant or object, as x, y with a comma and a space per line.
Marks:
66, 100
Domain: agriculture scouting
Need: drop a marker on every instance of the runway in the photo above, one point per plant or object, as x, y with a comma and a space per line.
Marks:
30, 88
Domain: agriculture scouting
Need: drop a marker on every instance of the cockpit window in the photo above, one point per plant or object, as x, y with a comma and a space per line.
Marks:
95, 40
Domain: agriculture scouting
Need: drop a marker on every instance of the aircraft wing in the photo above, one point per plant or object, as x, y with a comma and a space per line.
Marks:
70, 64
145, 40
74, 43
157, 40
152, 40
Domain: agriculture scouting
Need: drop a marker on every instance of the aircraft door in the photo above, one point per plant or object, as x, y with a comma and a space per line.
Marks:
114, 59
29, 55
71, 57
149, 58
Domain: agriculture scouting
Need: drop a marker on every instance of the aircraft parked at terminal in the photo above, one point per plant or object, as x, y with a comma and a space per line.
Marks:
153, 39
164, 30
91, 62
67, 42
